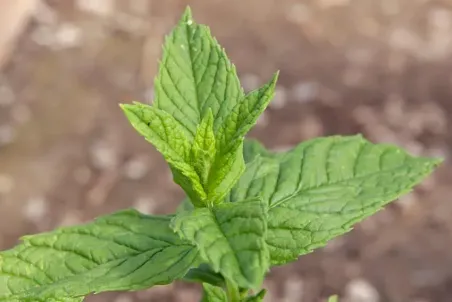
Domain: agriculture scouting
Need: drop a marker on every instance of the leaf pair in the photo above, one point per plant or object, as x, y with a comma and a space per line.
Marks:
200, 113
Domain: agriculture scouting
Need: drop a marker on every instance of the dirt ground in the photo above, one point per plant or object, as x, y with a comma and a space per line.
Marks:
379, 67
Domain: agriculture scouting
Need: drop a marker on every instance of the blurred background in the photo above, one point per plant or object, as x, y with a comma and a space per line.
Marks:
379, 67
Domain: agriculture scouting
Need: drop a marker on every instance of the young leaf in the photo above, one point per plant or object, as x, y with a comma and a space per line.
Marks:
203, 149
231, 238
122, 251
213, 294
199, 102
229, 164
195, 75
167, 135
321, 188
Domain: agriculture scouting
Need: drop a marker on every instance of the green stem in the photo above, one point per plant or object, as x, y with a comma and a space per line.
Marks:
232, 291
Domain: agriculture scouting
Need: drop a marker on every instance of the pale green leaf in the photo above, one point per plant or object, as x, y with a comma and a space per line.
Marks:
230, 238
195, 75
213, 294
321, 188
229, 164
122, 251
203, 149
168, 137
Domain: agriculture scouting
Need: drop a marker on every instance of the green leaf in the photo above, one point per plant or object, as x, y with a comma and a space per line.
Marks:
122, 251
203, 149
320, 189
229, 164
195, 75
230, 238
213, 294
167, 135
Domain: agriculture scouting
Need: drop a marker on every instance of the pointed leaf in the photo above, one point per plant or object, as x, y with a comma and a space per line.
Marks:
231, 238
203, 149
229, 164
122, 251
167, 135
195, 75
320, 189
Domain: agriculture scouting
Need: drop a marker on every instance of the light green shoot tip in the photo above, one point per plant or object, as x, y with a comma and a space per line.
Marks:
187, 16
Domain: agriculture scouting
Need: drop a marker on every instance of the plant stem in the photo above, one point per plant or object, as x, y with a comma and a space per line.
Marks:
232, 291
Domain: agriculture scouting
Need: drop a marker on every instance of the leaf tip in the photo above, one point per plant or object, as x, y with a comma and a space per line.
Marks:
187, 17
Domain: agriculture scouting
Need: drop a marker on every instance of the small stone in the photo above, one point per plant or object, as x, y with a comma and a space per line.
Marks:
7, 96
101, 8
124, 298
35, 209
68, 36
136, 168
6, 183
293, 290
305, 92
360, 290
70, 219
103, 156
145, 205
7, 134
408, 202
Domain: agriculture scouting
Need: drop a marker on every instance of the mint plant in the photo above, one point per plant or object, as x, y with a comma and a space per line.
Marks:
247, 209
